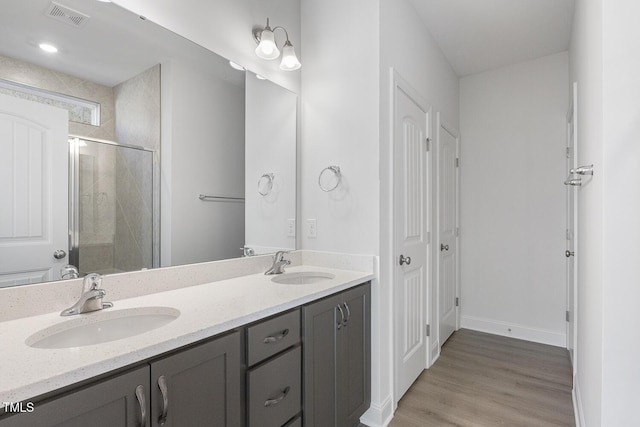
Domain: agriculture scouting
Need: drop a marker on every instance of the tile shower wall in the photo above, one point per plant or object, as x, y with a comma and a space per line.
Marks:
32, 75
96, 204
137, 107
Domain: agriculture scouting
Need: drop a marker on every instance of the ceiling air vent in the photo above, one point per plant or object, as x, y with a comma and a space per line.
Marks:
67, 15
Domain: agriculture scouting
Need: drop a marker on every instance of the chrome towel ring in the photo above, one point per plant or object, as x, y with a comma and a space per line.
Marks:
265, 184
326, 177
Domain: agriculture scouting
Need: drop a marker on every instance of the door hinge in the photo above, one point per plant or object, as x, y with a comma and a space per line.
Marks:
457, 231
568, 151
457, 302
568, 316
427, 144
457, 162
428, 330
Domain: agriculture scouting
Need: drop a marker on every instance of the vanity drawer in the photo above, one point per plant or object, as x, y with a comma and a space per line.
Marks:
274, 390
272, 336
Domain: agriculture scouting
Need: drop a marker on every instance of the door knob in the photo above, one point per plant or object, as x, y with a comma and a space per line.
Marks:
59, 254
405, 260
568, 253
444, 247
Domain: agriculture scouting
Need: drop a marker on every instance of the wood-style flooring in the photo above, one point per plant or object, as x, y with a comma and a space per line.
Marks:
488, 380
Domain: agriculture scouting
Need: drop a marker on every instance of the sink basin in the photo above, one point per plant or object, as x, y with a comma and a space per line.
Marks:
104, 326
302, 278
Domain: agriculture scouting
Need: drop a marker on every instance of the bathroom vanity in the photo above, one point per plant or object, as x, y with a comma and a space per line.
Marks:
243, 351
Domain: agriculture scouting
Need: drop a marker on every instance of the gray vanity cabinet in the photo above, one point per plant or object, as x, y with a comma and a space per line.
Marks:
337, 359
200, 386
109, 403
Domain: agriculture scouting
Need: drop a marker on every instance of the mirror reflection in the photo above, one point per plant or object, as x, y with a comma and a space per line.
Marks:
131, 147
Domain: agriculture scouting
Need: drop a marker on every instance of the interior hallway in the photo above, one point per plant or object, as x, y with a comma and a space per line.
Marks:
489, 380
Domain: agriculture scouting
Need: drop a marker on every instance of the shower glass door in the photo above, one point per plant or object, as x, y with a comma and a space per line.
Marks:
111, 207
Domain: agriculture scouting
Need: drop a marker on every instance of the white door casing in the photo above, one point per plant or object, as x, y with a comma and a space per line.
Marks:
34, 209
447, 220
571, 231
411, 122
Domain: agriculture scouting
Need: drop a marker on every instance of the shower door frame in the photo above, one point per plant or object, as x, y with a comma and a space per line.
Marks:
74, 197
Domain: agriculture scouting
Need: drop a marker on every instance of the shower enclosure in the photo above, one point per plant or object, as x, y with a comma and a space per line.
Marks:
111, 207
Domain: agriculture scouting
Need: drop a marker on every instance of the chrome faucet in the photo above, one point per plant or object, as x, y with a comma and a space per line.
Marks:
278, 263
91, 297
69, 272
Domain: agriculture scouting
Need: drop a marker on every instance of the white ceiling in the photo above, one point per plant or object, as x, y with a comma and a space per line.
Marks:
479, 35
113, 46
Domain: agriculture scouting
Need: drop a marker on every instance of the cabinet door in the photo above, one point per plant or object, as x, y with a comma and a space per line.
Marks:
200, 386
109, 403
354, 357
319, 348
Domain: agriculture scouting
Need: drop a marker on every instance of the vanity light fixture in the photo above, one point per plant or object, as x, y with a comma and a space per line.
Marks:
268, 49
236, 66
49, 48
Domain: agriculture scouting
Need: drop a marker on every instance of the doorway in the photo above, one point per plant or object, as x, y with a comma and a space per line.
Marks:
411, 229
33, 212
448, 146
572, 213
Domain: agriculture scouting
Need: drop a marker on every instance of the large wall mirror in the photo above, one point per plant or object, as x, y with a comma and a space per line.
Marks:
133, 148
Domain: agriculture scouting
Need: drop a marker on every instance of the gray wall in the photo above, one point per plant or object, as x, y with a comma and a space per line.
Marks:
203, 152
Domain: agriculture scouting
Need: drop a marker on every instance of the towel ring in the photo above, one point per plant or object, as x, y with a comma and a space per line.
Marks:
268, 177
338, 175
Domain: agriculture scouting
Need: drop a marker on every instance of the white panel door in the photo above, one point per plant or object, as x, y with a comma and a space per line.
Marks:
447, 231
411, 239
571, 230
34, 177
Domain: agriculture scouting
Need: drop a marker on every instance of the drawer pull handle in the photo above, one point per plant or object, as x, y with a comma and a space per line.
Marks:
346, 321
341, 317
143, 405
271, 402
276, 338
162, 384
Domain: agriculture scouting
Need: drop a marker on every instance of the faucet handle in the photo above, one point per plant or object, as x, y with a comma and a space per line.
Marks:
91, 282
279, 256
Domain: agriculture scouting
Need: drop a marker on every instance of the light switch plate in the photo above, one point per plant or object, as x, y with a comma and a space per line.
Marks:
291, 228
312, 228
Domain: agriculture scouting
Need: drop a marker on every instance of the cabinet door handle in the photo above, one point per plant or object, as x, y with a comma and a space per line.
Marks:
348, 314
340, 324
275, 401
162, 384
275, 338
142, 401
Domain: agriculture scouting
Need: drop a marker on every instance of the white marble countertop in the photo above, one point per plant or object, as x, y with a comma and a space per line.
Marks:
205, 310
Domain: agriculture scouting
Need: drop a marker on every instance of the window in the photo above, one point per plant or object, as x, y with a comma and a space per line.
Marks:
80, 110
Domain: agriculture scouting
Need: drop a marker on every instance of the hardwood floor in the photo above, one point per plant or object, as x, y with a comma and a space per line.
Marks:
488, 380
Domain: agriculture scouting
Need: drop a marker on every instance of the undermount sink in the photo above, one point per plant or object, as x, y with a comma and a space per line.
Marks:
302, 278
102, 327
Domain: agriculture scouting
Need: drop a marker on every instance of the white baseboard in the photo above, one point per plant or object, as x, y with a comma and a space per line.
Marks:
514, 331
379, 415
577, 404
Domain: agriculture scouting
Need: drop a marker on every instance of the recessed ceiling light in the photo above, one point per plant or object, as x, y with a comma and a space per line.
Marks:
105, 1
259, 77
48, 47
236, 66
